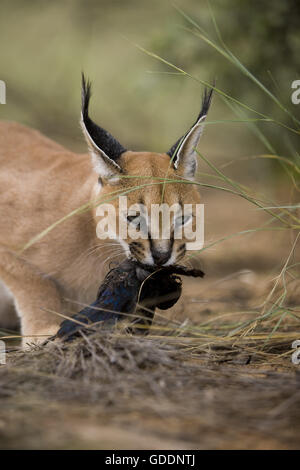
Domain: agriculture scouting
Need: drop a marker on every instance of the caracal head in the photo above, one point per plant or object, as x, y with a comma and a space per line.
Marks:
146, 201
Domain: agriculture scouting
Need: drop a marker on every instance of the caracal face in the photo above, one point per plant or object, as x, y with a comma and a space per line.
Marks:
151, 210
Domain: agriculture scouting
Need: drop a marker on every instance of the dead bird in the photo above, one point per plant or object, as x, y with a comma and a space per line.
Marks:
133, 291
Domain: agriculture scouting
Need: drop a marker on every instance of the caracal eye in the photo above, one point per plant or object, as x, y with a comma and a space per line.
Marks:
134, 220
182, 220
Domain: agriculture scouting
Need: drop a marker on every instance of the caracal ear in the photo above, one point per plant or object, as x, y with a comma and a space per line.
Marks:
183, 153
105, 150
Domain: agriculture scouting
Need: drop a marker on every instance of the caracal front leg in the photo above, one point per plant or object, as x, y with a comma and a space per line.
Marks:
36, 298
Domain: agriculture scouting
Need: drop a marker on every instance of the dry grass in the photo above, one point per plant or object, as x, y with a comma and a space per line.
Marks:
166, 389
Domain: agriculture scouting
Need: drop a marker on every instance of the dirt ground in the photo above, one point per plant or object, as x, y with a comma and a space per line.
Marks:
192, 384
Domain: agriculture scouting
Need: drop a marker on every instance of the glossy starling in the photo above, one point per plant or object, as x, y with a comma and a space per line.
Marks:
130, 291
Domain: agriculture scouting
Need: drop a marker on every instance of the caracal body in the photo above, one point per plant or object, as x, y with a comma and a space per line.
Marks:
41, 183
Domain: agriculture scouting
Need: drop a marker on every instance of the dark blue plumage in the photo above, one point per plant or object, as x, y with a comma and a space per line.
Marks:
133, 291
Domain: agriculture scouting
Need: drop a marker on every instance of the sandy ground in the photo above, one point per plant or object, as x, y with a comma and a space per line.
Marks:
175, 391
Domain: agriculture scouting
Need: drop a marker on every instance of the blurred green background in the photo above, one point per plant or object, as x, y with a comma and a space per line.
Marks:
45, 46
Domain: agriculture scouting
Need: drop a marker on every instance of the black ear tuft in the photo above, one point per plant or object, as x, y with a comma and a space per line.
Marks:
85, 97
206, 100
100, 137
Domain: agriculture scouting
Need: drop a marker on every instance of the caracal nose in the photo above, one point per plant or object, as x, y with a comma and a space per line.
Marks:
160, 257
